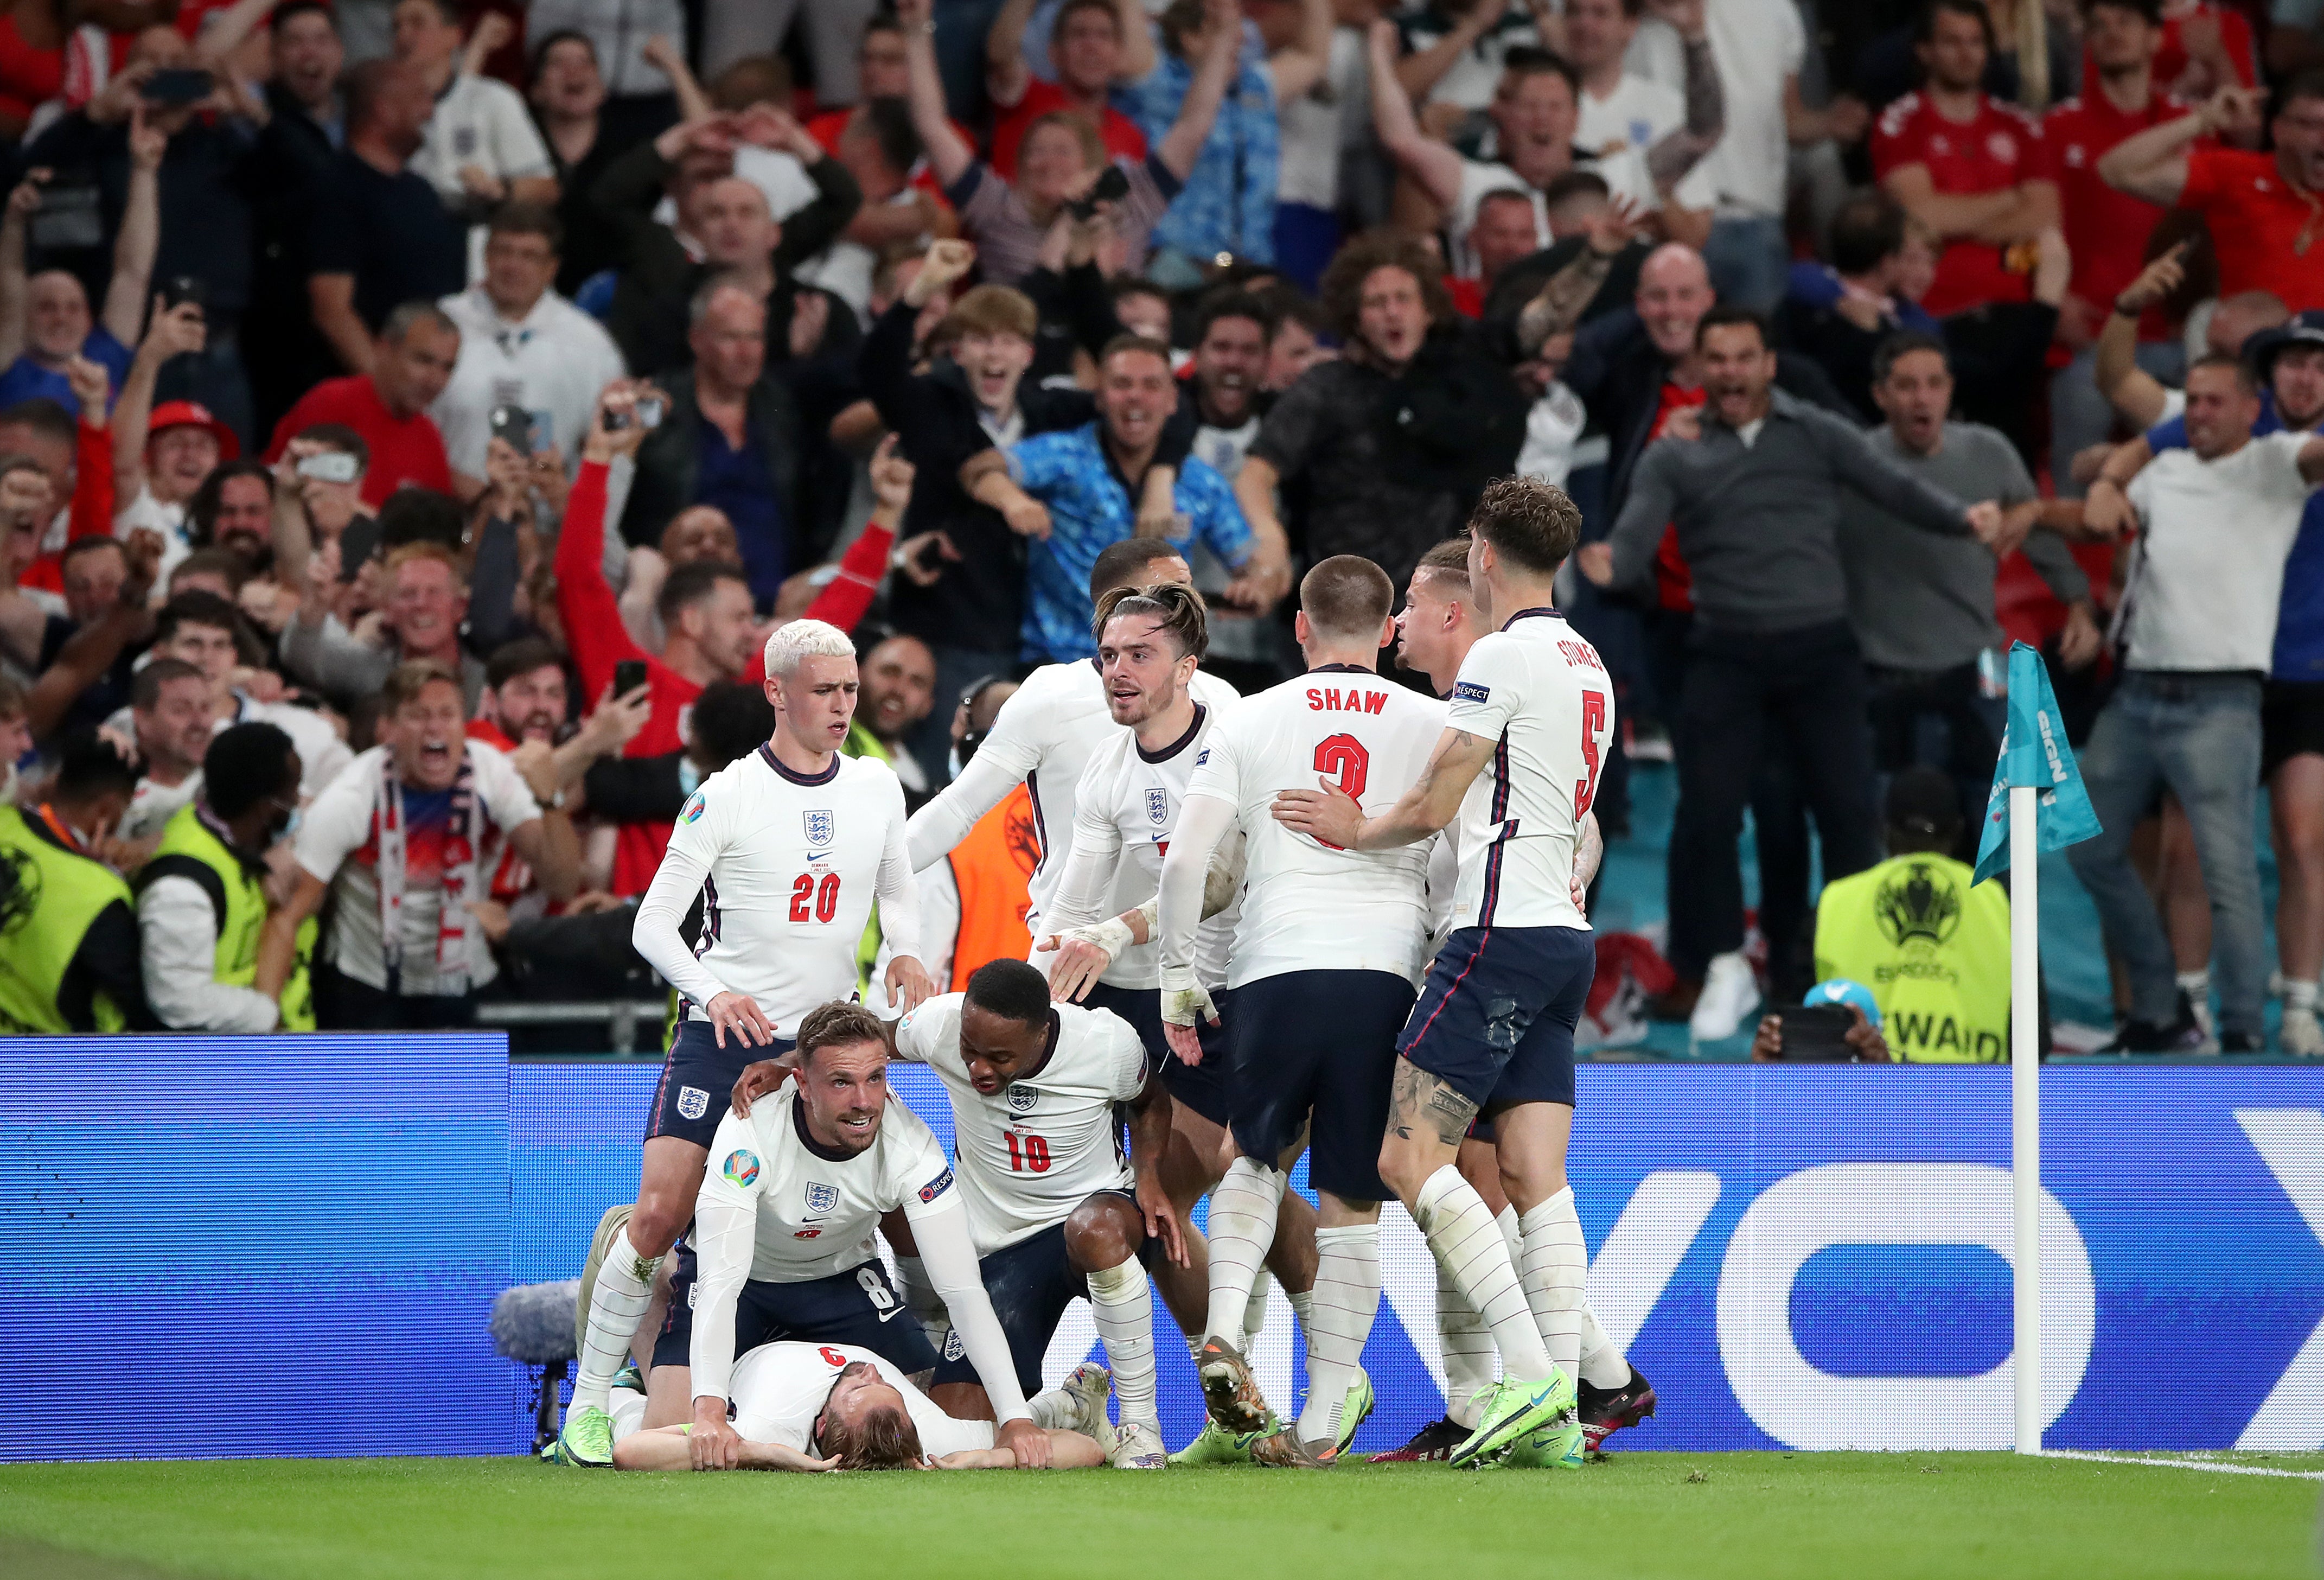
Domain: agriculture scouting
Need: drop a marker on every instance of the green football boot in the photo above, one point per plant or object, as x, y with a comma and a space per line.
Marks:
587, 1439
1515, 1411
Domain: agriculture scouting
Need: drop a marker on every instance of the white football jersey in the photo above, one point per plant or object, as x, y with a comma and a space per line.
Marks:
779, 1389
793, 865
1031, 1153
1044, 736
812, 1215
1540, 693
1307, 906
1127, 806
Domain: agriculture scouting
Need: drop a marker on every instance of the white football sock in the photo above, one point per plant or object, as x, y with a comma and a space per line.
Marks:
2298, 995
1123, 1303
1052, 1409
1303, 1301
1555, 1271
927, 1306
1243, 1205
1461, 1232
1470, 1361
1603, 1365
623, 1290
1346, 1299
1505, 1221
1254, 1315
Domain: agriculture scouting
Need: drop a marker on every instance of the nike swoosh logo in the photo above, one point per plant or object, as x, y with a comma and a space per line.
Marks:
891, 1311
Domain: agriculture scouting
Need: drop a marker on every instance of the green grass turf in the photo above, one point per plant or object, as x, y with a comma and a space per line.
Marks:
1705, 1517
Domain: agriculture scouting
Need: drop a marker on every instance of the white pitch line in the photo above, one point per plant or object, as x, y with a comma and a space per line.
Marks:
2297, 1475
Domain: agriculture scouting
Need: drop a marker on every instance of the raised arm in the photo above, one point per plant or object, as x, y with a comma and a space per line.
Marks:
2152, 164
15, 287
585, 603
949, 154
1302, 63
141, 231
1434, 164
1557, 306
2129, 388
1679, 150
1006, 75
1222, 34
1419, 72
665, 57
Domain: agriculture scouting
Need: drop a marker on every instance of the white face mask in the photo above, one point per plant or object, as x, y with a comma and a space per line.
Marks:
688, 776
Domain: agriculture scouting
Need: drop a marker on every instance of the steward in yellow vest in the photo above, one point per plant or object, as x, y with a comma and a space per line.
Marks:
68, 936
1933, 950
201, 900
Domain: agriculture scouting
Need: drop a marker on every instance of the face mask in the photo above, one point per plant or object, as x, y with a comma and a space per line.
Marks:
291, 827
688, 776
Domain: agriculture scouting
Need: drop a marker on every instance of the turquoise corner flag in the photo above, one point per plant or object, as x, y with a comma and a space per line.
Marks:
2034, 752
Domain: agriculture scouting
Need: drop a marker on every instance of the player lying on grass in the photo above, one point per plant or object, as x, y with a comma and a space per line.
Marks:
783, 1232
1056, 1210
840, 1407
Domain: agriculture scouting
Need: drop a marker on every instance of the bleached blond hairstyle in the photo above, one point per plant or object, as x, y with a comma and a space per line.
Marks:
804, 639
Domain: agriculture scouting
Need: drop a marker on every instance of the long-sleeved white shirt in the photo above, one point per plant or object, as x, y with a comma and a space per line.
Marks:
787, 866
178, 930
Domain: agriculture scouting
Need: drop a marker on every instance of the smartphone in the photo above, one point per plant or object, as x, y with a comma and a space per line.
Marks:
180, 288
1817, 1034
330, 466
512, 426
177, 85
1112, 186
628, 676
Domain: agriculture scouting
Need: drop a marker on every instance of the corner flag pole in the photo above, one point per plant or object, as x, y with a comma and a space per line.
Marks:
2025, 1108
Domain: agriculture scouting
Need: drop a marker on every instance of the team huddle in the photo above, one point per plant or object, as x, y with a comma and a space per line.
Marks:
1340, 917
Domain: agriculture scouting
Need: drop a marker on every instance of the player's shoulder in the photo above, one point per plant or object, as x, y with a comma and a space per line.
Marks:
931, 1026
862, 772
901, 1130
1077, 678
1901, 112
1212, 692
739, 781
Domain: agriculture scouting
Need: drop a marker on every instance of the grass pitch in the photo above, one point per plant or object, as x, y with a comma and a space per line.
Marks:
1702, 1516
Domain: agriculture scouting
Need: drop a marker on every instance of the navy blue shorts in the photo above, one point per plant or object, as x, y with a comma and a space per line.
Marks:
1031, 1284
1496, 1017
1202, 1087
1320, 1043
858, 1306
697, 1078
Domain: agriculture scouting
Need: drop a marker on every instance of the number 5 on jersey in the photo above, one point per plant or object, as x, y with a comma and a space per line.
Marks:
1593, 742
825, 896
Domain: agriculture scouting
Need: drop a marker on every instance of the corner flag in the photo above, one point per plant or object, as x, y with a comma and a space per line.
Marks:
2033, 752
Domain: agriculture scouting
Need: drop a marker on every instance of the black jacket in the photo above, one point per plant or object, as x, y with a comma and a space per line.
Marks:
669, 467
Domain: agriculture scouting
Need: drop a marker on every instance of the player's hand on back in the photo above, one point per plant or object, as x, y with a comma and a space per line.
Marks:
1080, 961
714, 1443
1329, 816
1027, 1441
740, 1014
758, 1079
908, 986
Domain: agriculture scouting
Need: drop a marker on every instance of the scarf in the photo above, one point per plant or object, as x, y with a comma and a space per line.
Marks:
459, 877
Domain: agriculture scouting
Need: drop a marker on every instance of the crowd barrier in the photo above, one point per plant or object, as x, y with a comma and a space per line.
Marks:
260, 1246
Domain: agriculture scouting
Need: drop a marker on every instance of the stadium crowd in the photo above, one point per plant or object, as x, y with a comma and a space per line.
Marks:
415, 417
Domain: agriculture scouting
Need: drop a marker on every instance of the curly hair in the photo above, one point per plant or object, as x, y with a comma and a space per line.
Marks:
1531, 522
1343, 289
1178, 607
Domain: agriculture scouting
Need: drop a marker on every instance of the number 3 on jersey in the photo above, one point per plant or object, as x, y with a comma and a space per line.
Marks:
1593, 741
824, 895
